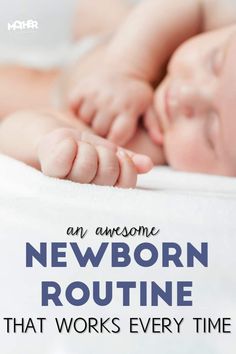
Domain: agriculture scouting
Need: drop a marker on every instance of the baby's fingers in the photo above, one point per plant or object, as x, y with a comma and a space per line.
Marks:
108, 167
128, 172
85, 164
102, 122
123, 129
96, 140
143, 163
86, 111
75, 100
82, 105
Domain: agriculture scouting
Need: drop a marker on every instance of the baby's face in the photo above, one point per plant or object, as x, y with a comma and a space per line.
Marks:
196, 104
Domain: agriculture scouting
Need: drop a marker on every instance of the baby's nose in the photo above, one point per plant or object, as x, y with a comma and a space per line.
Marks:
193, 98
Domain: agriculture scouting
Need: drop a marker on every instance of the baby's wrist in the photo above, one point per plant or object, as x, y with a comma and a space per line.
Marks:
32, 88
47, 88
57, 93
40, 87
125, 64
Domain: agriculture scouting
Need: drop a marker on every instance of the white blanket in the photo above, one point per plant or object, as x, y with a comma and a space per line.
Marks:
186, 208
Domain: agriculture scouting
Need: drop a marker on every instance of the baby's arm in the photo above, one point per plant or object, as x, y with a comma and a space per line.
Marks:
218, 13
157, 27
62, 147
25, 88
151, 34
119, 90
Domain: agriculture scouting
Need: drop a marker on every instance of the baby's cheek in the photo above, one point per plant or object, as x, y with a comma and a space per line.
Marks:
181, 151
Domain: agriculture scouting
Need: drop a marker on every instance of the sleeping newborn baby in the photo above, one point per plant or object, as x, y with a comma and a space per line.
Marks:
192, 116
170, 64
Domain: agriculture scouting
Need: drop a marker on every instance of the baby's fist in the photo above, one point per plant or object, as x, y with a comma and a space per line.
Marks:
112, 104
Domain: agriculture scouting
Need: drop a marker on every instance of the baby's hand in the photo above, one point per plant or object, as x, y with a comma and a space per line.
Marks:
85, 158
112, 104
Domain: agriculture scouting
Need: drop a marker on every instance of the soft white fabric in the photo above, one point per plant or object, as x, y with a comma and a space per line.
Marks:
186, 207
160, 179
